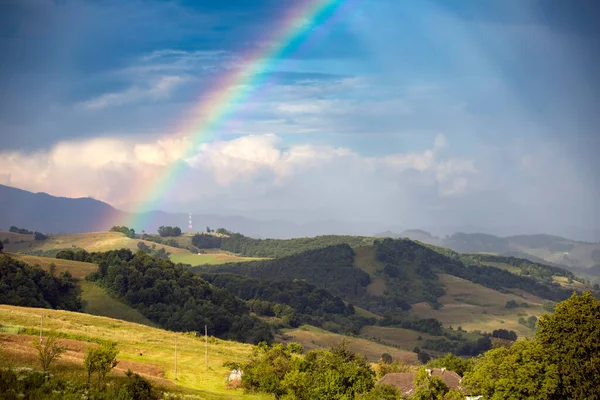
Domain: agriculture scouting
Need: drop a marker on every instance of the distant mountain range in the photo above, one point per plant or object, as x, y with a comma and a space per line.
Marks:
548, 249
50, 214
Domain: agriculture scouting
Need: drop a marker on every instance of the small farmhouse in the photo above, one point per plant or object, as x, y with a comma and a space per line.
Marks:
405, 381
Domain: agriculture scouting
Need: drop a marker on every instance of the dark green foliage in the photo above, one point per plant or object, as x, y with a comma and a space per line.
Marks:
423, 357
136, 388
24, 285
160, 240
410, 271
175, 298
306, 303
169, 231
511, 304
160, 253
387, 358
130, 233
206, 241
246, 246
504, 334
536, 270
39, 236
460, 347
1, 247
22, 231
529, 322
331, 268
426, 325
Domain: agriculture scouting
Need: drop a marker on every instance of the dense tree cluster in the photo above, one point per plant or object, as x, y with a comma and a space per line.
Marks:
129, 232
330, 268
305, 303
22, 231
504, 334
151, 250
175, 298
273, 248
336, 373
39, 236
157, 239
24, 285
169, 231
561, 362
462, 347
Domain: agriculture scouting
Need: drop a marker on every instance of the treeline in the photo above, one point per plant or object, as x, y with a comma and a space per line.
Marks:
129, 232
175, 298
273, 248
152, 251
169, 231
36, 235
504, 334
160, 240
31, 286
538, 271
295, 302
330, 268
460, 347
22, 231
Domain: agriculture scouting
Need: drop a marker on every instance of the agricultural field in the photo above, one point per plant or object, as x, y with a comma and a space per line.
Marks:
78, 269
314, 338
146, 350
93, 241
475, 307
404, 338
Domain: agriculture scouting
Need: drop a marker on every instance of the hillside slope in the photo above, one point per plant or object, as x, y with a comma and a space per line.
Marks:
144, 349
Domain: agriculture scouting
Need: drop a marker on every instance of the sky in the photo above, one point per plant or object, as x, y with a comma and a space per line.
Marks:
412, 114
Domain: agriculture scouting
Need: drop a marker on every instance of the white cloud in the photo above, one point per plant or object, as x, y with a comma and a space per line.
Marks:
260, 167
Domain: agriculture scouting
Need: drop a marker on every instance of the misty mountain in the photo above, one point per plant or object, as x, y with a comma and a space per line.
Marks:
50, 214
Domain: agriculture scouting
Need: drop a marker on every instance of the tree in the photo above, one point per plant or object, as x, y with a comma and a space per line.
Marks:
266, 369
511, 304
100, 360
386, 358
453, 363
48, 351
39, 236
571, 339
429, 387
336, 373
522, 369
423, 357
381, 392
1, 247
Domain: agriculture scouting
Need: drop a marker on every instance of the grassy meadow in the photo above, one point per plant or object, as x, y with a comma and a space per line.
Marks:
146, 350
209, 258
314, 338
476, 307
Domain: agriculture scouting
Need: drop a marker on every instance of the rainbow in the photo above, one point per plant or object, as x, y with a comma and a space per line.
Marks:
229, 92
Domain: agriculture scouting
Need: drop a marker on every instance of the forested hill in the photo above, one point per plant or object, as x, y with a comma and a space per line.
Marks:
409, 271
273, 248
331, 268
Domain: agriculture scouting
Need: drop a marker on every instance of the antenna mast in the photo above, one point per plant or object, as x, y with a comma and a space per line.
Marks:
190, 224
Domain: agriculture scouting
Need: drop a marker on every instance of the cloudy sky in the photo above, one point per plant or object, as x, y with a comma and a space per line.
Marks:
416, 114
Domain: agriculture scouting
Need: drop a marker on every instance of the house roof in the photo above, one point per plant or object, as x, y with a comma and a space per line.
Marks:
405, 381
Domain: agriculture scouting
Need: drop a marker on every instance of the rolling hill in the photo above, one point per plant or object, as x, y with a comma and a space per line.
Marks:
583, 257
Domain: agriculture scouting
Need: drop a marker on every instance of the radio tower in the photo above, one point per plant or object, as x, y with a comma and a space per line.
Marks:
190, 224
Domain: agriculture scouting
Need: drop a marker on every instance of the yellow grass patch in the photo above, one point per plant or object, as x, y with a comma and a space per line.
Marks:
314, 338
476, 307
78, 269
212, 258
364, 258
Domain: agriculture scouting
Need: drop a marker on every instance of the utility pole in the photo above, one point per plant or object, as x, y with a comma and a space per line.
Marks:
175, 356
41, 327
206, 345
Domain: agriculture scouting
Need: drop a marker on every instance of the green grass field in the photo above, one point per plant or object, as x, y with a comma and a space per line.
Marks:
314, 338
404, 338
156, 346
97, 302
